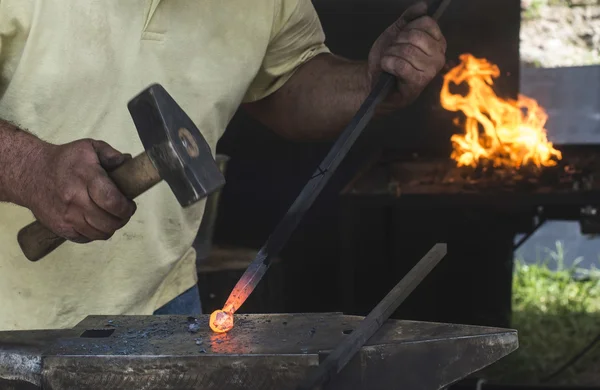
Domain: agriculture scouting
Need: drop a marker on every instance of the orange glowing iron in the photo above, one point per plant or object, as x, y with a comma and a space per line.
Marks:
223, 319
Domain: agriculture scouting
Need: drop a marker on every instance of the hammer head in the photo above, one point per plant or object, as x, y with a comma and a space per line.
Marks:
175, 146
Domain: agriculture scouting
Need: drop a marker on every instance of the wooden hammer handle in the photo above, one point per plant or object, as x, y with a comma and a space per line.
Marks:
133, 178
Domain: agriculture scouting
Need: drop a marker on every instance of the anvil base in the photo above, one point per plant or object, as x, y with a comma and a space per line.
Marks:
262, 352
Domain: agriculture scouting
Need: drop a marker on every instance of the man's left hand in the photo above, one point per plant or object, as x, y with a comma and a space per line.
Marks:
414, 50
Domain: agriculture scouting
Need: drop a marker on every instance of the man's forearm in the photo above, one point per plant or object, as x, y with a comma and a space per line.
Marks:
17, 151
318, 101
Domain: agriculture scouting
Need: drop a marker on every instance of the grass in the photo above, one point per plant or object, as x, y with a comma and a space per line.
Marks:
557, 314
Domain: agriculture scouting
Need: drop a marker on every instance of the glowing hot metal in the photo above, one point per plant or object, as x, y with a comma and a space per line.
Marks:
316, 183
221, 321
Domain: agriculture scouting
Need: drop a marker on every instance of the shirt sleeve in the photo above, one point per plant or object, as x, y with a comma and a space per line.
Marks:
297, 37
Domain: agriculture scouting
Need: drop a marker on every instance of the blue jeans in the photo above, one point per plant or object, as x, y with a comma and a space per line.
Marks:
187, 303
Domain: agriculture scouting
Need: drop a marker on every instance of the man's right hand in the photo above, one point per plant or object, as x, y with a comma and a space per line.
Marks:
71, 193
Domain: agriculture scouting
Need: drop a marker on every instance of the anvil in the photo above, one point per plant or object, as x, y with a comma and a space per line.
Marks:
262, 352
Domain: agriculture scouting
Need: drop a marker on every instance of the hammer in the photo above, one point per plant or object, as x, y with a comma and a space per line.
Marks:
175, 151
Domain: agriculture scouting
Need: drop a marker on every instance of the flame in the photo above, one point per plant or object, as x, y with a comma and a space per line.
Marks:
506, 132
221, 321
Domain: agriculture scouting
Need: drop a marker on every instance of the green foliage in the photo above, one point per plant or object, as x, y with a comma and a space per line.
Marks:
557, 313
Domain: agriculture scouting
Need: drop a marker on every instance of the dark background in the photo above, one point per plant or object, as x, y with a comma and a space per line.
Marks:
266, 173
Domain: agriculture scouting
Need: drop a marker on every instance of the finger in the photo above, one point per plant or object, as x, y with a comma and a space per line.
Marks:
109, 157
107, 196
429, 26
79, 239
90, 233
402, 69
101, 220
421, 41
110, 167
405, 54
411, 13
71, 235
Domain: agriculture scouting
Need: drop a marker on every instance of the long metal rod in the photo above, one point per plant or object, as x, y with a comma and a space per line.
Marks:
307, 196
340, 356
275, 243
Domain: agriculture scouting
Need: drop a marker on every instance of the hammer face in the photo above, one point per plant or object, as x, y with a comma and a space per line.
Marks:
175, 146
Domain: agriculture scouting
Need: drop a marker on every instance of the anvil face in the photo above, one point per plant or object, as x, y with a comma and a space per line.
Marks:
273, 351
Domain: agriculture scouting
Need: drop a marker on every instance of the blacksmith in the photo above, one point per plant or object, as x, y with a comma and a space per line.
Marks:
67, 70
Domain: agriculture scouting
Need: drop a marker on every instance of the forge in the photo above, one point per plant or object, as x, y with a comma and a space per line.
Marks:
503, 177
477, 209
263, 352
429, 180
502, 157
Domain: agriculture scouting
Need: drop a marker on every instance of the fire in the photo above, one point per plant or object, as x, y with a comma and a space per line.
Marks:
221, 321
505, 132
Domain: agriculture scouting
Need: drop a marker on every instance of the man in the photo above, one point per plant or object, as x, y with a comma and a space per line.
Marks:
68, 69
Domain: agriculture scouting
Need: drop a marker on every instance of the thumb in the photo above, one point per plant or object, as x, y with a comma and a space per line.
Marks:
109, 157
413, 12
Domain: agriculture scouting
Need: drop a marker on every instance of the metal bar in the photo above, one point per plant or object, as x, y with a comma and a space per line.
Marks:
338, 359
308, 195
275, 243
440, 7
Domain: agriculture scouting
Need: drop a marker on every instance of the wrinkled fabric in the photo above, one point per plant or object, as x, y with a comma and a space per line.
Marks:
67, 71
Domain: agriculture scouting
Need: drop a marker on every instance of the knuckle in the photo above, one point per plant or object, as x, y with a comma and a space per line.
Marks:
97, 143
69, 220
120, 205
86, 152
82, 144
67, 196
106, 194
408, 51
86, 143
78, 199
68, 232
415, 37
65, 230
111, 200
401, 67
387, 64
429, 23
